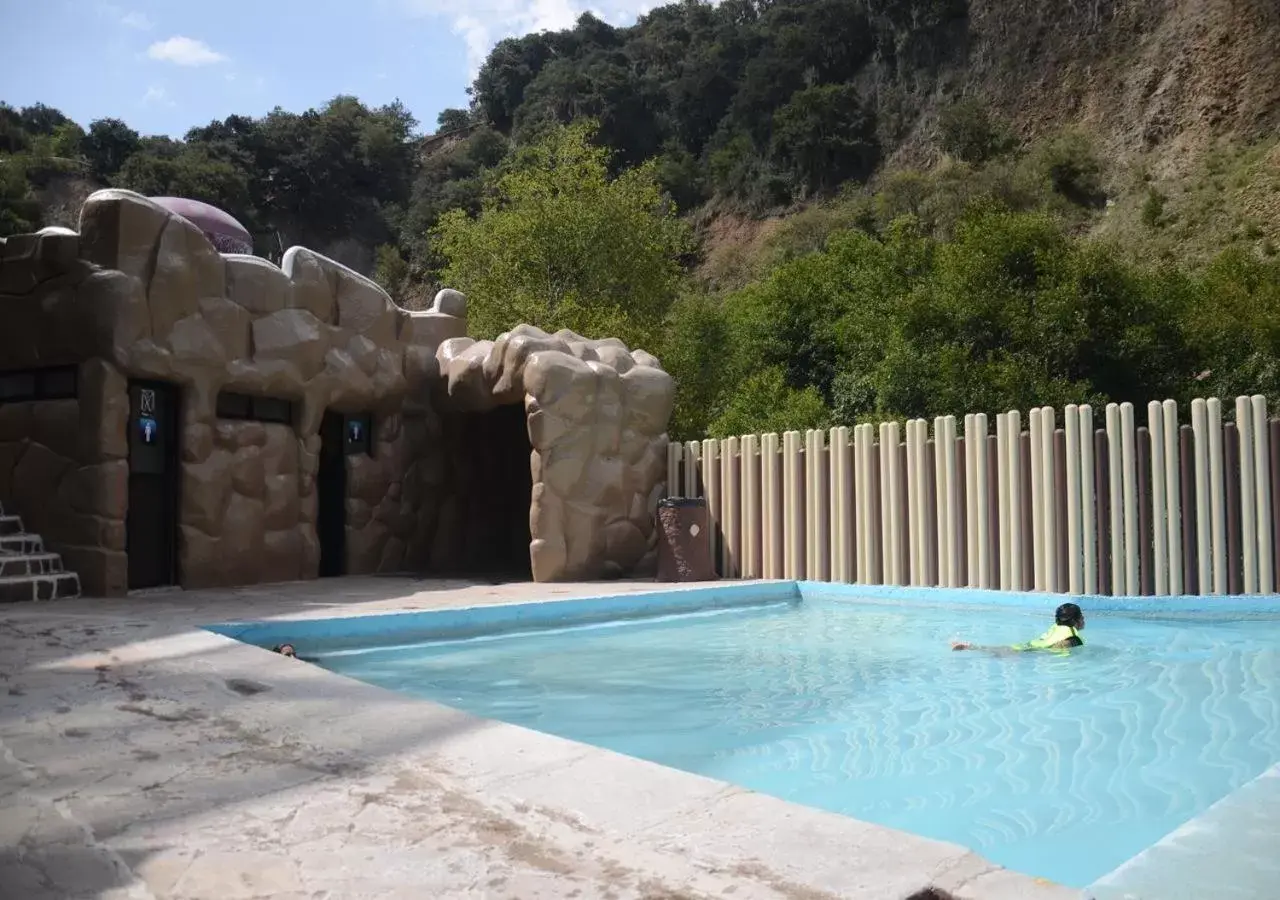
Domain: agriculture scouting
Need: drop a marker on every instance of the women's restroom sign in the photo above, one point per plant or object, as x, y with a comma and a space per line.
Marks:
148, 429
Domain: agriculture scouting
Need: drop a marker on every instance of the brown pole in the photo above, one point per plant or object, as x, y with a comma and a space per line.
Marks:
1059, 487
931, 511
1187, 527
993, 506
1026, 514
1146, 572
905, 515
1231, 472
1102, 508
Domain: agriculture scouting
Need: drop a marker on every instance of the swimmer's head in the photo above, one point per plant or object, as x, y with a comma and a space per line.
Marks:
1070, 615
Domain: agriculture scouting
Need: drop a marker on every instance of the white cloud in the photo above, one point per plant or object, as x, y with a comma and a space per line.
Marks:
156, 96
482, 23
184, 51
136, 20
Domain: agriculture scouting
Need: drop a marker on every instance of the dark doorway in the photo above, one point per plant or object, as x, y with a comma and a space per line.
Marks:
151, 525
331, 497
484, 526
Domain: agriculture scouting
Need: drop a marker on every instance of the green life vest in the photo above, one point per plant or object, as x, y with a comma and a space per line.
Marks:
1052, 638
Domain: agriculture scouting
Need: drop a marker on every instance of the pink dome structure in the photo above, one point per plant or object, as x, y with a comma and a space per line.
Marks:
223, 231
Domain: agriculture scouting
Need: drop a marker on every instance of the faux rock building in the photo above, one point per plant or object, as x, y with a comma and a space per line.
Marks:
173, 415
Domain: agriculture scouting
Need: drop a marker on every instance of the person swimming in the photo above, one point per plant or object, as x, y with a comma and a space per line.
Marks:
1065, 634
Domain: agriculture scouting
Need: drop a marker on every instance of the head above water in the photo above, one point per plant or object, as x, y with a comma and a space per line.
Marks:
1070, 615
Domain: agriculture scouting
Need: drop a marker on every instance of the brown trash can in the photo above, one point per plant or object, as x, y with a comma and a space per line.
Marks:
684, 544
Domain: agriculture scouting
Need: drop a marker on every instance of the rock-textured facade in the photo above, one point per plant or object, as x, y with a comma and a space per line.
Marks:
173, 415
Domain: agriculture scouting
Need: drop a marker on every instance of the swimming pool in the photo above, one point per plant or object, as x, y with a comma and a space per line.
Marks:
1061, 766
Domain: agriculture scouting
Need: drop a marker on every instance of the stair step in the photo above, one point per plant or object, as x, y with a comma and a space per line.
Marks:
30, 564
58, 586
10, 524
22, 543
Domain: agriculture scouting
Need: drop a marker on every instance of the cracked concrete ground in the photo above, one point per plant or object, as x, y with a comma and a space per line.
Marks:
141, 757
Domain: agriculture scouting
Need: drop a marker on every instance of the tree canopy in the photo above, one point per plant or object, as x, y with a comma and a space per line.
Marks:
560, 243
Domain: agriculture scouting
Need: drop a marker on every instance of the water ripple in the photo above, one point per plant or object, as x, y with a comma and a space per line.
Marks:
862, 709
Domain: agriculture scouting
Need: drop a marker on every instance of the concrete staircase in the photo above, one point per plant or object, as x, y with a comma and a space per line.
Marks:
27, 570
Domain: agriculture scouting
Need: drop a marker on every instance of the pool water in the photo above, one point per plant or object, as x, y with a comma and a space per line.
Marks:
1058, 765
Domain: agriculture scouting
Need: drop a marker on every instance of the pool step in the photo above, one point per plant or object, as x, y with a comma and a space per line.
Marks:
27, 570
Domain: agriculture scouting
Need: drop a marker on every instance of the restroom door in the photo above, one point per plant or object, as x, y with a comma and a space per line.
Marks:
331, 497
151, 526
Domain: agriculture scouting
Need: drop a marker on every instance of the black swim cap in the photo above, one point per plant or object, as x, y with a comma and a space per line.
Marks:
1067, 614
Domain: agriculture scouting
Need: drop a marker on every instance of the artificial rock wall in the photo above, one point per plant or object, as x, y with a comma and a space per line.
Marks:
141, 293
597, 416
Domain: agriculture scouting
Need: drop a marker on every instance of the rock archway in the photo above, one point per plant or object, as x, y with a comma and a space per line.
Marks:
597, 415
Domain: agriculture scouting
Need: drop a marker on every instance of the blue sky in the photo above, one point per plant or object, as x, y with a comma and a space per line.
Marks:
164, 66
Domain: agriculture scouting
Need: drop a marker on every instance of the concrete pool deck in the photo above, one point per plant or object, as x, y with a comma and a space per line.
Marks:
143, 757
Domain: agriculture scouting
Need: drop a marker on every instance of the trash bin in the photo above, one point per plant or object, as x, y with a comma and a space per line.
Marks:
684, 548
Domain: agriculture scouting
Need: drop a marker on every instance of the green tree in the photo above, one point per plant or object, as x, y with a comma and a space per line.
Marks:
826, 135
968, 132
560, 244
764, 403
107, 145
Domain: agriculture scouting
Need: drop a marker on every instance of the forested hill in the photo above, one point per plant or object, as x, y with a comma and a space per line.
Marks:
816, 211
753, 103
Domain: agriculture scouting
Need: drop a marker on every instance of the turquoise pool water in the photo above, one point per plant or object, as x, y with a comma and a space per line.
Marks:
1061, 766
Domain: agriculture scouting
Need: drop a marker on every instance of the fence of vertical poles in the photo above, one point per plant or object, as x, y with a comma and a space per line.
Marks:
1060, 502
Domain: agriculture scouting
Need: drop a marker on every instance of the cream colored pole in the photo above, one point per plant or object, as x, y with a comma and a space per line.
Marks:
981, 495
674, 449
822, 509
940, 487
954, 486
970, 507
861, 509
1088, 509
692, 461
792, 506
1018, 541
1048, 424
1217, 500
1129, 460
1262, 484
914, 546
1002, 497
896, 505
1071, 425
1173, 494
1200, 444
1159, 525
1248, 489
875, 505
810, 505
1115, 489
749, 521
771, 512
731, 504
709, 465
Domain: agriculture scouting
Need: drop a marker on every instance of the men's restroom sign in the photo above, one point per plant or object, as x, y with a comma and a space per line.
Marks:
147, 429
355, 431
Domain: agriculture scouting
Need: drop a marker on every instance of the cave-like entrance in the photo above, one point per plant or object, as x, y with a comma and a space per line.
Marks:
486, 531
